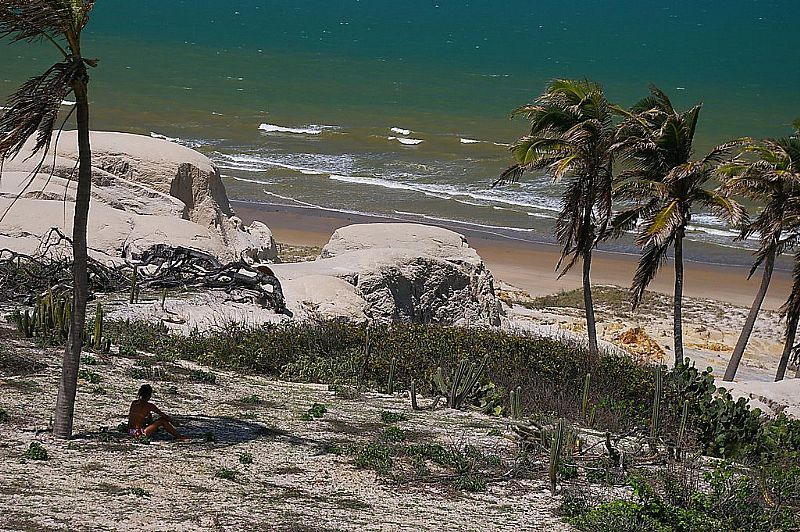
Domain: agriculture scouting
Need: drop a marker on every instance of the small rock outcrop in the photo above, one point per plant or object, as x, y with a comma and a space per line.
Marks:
408, 272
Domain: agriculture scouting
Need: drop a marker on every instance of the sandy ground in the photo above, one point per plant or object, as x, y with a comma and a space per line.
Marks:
293, 484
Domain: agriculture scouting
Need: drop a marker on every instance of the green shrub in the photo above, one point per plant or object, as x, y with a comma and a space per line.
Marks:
245, 458
205, 377
317, 410
138, 492
393, 417
36, 451
251, 400
4, 415
376, 457
89, 376
88, 360
209, 436
393, 434
127, 351
226, 474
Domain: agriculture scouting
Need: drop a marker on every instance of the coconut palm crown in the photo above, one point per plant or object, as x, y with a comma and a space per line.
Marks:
663, 186
768, 174
571, 134
33, 112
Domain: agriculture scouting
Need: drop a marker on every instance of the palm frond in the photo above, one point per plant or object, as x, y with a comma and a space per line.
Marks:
650, 262
33, 108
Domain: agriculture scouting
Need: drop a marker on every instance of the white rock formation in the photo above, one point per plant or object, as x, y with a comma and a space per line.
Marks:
134, 177
406, 272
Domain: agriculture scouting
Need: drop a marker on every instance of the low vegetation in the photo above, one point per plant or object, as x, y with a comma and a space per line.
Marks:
649, 472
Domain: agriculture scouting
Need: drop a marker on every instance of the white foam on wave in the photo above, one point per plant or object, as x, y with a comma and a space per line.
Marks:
503, 144
451, 192
252, 163
468, 224
67, 102
468, 141
407, 141
312, 129
176, 140
400, 131
245, 180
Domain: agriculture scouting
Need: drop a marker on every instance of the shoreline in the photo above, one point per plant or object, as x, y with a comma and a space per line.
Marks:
527, 265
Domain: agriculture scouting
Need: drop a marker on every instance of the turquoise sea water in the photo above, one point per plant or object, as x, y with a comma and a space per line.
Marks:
330, 80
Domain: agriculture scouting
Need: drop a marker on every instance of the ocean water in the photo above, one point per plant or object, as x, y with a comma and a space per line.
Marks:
402, 108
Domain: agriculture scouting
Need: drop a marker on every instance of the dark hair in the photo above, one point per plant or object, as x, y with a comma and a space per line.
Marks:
145, 391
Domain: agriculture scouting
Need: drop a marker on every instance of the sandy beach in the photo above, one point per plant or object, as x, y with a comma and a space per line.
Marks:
528, 266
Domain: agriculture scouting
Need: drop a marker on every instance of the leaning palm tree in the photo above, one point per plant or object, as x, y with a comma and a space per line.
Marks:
571, 134
664, 186
773, 180
33, 111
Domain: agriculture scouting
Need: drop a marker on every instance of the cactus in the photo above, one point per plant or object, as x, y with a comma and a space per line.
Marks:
682, 429
135, 285
461, 384
656, 417
516, 403
390, 384
585, 400
556, 445
98, 328
365, 361
413, 393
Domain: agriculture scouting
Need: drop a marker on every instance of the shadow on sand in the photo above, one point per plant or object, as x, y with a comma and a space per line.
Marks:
213, 430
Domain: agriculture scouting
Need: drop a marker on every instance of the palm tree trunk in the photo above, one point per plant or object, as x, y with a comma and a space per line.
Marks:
788, 345
65, 404
744, 337
678, 298
591, 326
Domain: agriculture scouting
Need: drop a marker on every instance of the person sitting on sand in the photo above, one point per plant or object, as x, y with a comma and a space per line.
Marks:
140, 418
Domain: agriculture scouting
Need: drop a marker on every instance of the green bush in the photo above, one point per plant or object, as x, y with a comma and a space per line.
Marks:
393, 417
226, 474
36, 451
245, 458
205, 377
89, 376
4, 415
551, 372
730, 501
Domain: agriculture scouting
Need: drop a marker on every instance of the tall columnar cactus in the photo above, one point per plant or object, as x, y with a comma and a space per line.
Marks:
655, 420
585, 399
390, 383
515, 398
413, 393
462, 382
682, 429
98, 328
556, 446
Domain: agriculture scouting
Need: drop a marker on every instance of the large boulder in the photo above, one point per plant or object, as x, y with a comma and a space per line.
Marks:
407, 272
143, 176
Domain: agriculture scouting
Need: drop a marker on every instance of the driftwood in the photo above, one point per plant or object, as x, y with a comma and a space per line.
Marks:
23, 277
164, 266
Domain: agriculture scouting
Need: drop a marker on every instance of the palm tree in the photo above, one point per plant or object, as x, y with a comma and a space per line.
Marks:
33, 111
772, 179
665, 185
571, 134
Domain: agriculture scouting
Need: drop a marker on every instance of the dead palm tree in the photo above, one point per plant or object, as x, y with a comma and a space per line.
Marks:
773, 180
571, 133
665, 186
33, 111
